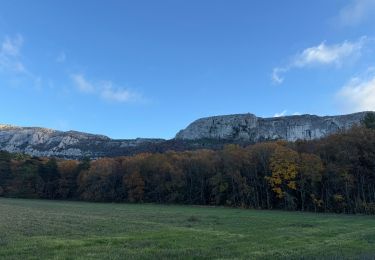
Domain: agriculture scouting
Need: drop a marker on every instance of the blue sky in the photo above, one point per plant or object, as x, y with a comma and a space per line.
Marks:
142, 68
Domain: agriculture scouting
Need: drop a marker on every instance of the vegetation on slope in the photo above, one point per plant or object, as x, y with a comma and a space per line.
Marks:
334, 174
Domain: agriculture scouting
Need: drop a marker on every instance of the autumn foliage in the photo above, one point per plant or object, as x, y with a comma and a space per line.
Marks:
334, 174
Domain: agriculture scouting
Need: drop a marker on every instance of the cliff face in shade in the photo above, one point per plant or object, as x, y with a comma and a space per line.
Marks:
248, 127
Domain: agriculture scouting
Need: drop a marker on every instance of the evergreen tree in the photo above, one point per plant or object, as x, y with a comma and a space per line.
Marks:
369, 120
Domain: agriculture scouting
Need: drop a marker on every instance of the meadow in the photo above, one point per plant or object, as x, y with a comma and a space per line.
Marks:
43, 229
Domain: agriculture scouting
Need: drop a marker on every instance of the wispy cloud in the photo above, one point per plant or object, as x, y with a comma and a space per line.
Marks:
277, 77
359, 93
105, 89
285, 113
109, 92
10, 55
12, 46
329, 54
322, 54
280, 114
12, 66
82, 84
356, 12
61, 57
11, 62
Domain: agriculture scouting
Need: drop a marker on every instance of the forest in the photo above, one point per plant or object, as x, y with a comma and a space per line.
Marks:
333, 174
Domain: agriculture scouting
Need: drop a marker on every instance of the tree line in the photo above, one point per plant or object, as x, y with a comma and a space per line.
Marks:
333, 174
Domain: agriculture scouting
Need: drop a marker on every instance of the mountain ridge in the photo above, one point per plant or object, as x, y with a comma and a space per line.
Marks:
236, 128
249, 127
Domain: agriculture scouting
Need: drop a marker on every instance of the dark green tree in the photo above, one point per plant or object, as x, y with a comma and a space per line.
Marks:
369, 120
50, 175
27, 182
5, 171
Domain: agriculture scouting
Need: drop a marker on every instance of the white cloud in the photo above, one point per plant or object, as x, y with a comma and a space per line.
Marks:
356, 12
359, 93
285, 113
61, 57
276, 75
280, 114
10, 55
329, 54
322, 54
12, 66
105, 90
82, 84
12, 46
117, 94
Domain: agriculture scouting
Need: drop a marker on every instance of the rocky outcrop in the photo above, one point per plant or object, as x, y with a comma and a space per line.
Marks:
37, 141
248, 127
210, 132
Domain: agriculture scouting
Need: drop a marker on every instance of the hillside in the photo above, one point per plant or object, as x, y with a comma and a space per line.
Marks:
332, 174
248, 127
211, 132
39, 141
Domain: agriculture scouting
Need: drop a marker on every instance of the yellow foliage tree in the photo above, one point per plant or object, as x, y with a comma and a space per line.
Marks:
284, 168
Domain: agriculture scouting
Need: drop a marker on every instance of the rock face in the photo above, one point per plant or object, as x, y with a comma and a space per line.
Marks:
220, 130
248, 127
37, 141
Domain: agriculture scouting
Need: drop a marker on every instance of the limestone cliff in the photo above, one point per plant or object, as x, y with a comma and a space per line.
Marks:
248, 127
210, 132
38, 141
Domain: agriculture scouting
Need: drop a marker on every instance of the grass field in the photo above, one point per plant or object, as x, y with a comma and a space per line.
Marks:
35, 229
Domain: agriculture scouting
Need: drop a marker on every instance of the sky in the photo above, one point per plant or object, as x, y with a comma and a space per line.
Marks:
148, 68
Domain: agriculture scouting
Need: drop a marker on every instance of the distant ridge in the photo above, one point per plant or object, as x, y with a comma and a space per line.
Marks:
246, 128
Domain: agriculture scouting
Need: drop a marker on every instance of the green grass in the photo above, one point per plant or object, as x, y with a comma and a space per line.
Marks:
36, 229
